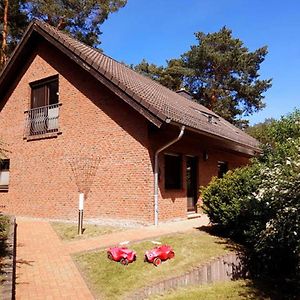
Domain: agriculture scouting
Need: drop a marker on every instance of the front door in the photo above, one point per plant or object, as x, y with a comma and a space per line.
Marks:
192, 184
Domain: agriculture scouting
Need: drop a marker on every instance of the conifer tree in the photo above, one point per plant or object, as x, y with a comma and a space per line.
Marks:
12, 25
220, 73
82, 19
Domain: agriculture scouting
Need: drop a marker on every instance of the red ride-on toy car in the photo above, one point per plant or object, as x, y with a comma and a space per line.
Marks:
121, 254
158, 254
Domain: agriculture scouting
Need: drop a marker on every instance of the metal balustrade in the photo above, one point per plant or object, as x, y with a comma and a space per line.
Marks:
42, 120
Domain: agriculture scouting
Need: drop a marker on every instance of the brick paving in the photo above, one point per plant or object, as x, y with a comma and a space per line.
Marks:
45, 269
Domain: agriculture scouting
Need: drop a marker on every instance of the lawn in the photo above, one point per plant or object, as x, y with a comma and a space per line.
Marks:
111, 280
68, 231
233, 290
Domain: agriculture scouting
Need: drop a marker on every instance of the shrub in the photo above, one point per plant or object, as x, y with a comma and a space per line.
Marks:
260, 204
229, 201
277, 246
4, 225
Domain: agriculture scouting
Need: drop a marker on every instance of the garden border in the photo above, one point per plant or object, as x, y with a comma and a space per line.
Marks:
223, 268
9, 268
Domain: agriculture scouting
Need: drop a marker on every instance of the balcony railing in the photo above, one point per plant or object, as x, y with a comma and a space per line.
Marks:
42, 120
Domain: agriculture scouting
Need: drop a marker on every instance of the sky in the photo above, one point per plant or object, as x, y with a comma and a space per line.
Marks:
158, 30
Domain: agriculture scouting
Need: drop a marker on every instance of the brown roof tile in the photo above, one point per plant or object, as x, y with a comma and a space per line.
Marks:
159, 100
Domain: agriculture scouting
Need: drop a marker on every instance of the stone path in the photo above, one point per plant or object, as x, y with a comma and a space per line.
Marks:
45, 269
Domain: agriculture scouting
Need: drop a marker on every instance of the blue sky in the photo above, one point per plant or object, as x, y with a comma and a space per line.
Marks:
158, 30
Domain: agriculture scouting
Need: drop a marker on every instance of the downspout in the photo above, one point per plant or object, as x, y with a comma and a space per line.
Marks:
156, 172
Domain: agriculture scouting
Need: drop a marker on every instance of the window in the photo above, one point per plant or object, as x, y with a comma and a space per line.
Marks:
173, 171
222, 168
44, 92
4, 174
44, 112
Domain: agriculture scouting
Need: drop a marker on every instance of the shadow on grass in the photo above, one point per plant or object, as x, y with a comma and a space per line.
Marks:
261, 286
218, 231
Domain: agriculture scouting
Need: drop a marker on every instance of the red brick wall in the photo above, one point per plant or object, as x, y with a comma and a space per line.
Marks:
173, 203
93, 121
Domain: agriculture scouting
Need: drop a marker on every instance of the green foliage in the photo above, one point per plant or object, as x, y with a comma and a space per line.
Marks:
17, 22
170, 76
82, 19
259, 131
224, 74
227, 202
273, 132
4, 224
220, 72
260, 204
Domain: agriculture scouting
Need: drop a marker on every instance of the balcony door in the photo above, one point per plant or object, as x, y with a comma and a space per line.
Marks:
43, 114
192, 182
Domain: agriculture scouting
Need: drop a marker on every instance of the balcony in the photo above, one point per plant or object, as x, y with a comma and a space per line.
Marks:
42, 122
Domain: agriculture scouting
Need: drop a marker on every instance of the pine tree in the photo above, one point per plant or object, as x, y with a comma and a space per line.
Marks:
82, 19
3, 51
12, 26
220, 73
223, 75
170, 76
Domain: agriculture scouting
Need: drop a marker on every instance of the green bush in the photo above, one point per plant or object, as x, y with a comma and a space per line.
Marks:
277, 246
260, 204
230, 201
4, 225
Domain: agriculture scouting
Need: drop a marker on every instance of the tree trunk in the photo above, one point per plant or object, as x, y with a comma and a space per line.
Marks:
3, 55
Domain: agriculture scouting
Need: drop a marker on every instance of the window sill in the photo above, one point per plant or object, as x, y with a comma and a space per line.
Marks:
3, 189
48, 135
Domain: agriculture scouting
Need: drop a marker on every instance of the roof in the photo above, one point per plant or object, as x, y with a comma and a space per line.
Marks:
154, 101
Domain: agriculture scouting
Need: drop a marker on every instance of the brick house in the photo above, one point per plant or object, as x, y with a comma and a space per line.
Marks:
60, 99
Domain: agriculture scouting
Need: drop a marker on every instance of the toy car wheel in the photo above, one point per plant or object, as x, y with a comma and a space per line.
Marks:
171, 254
157, 261
145, 259
124, 261
109, 256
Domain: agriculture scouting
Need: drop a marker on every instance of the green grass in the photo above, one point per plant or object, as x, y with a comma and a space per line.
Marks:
233, 290
68, 231
111, 280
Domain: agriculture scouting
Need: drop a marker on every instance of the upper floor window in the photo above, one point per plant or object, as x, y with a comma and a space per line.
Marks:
44, 109
4, 174
44, 92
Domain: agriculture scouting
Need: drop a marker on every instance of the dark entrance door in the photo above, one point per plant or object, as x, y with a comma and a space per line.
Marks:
192, 182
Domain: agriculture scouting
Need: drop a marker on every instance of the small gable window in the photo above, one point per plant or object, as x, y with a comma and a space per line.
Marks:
173, 171
4, 174
222, 168
44, 107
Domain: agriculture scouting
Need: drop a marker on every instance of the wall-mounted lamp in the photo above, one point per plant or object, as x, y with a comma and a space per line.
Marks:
205, 156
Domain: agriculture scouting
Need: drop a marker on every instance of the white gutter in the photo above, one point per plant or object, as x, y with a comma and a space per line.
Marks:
156, 172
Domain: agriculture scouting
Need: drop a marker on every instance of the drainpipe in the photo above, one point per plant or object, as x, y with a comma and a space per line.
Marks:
156, 172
